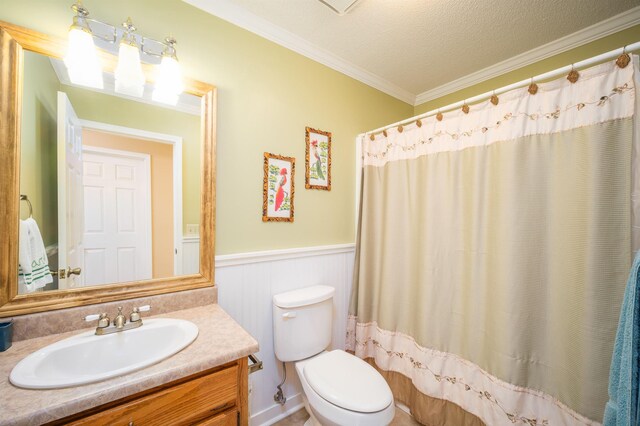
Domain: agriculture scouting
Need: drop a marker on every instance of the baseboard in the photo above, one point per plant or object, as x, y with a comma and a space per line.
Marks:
403, 407
277, 412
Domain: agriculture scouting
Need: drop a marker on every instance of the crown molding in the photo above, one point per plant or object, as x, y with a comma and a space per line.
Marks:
601, 29
241, 17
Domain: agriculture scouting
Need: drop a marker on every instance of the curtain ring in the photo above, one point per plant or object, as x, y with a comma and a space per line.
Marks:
494, 98
624, 59
465, 107
372, 137
419, 122
384, 132
439, 115
573, 75
533, 87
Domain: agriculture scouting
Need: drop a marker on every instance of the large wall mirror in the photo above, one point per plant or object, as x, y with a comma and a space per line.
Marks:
104, 196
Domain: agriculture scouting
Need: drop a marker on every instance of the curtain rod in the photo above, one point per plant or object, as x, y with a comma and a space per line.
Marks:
545, 76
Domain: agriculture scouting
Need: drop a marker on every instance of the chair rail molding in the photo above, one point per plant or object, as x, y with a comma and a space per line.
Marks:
227, 260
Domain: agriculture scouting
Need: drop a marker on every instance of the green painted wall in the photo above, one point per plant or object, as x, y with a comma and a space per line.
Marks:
267, 95
605, 44
96, 106
38, 131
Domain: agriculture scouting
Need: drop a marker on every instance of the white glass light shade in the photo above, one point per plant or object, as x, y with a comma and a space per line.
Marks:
129, 75
82, 60
169, 84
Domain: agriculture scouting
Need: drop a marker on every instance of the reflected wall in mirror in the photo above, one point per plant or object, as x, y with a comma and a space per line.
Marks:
105, 178
112, 189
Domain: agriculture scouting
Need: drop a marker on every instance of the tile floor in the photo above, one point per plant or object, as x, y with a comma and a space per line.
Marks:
299, 417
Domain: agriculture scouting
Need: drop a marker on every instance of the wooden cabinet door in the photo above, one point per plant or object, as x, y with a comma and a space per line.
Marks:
185, 404
228, 418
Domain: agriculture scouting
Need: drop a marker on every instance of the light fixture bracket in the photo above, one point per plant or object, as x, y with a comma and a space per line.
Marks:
79, 9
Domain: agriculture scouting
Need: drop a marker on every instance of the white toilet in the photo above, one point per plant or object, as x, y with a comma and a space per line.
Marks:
339, 388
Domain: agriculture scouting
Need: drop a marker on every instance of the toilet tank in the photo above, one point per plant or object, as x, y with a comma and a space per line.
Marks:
302, 322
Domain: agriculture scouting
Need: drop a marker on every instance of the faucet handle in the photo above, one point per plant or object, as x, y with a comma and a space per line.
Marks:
135, 315
103, 319
92, 317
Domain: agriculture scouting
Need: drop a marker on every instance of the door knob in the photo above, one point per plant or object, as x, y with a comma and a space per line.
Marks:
74, 271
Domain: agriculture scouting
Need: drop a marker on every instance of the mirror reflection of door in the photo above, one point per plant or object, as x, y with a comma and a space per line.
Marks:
58, 122
117, 216
70, 195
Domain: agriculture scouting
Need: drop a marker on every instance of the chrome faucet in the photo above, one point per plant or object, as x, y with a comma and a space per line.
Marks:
119, 322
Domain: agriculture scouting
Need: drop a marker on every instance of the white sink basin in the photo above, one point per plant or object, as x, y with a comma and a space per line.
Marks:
87, 358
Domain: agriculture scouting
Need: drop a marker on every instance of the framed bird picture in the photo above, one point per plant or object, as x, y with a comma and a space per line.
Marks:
278, 188
317, 159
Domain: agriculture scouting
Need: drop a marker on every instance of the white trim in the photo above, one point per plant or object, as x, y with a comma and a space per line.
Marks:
596, 31
174, 140
241, 17
130, 131
227, 260
147, 260
270, 415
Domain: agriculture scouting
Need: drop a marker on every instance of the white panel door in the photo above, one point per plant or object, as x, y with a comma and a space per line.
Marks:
117, 216
70, 211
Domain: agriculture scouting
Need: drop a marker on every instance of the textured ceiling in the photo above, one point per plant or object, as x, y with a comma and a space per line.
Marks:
418, 45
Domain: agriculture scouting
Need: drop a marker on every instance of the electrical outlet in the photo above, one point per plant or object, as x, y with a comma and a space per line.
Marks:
193, 228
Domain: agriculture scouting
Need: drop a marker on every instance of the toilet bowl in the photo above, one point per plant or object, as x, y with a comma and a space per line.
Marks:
340, 389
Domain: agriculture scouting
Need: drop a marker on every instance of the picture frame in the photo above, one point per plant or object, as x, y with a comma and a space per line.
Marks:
278, 188
317, 159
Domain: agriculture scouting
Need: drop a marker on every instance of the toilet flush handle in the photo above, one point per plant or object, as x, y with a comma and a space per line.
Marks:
288, 315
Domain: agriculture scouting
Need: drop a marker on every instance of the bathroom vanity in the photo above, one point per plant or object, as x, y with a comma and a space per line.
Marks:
213, 397
205, 383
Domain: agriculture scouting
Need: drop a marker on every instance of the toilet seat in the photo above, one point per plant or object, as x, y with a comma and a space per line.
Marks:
326, 413
348, 382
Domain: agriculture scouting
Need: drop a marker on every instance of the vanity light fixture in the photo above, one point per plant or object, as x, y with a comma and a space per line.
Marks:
84, 67
169, 83
129, 76
81, 59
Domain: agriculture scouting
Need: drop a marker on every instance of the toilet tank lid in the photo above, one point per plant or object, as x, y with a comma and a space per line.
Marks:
303, 297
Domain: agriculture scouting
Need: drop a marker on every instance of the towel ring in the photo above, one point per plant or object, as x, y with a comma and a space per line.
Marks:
25, 198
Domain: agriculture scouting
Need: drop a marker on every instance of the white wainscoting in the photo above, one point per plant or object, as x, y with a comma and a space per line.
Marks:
190, 261
246, 285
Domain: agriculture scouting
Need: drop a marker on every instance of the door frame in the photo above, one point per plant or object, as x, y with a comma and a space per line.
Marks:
146, 164
176, 143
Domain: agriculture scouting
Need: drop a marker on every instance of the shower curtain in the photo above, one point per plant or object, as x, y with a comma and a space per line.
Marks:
493, 250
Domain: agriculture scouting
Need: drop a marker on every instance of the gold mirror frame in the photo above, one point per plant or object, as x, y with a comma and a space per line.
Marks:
13, 40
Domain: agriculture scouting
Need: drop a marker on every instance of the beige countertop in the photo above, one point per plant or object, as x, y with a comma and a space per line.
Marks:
220, 340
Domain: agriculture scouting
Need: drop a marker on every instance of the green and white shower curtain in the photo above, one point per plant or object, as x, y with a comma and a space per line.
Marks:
493, 251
